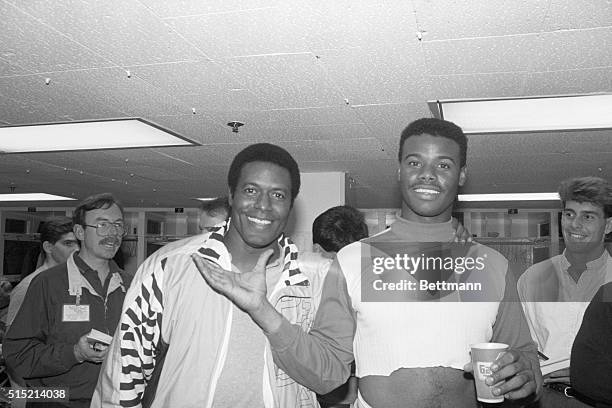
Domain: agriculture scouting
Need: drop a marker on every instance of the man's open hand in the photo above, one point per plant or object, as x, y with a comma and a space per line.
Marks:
246, 290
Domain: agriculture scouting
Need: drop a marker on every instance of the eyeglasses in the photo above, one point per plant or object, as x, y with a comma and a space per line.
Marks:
103, 228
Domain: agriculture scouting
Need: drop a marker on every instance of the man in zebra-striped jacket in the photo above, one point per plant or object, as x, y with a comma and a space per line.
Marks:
181, 344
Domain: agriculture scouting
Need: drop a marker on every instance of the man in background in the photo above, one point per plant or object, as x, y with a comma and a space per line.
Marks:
47, 343
337, 227
556, 292
332, 230
57, 242
212, 213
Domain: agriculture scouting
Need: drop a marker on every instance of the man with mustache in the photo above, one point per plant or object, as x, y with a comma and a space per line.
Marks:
557, 291
47, 343
408, 353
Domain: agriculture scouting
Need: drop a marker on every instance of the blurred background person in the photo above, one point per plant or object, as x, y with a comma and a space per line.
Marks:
337, 227
331, 231
213, 212
57, 242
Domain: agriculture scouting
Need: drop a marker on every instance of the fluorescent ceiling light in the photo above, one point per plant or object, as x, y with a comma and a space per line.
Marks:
33, 197
207, 198
90, 135
510, 197
528, 114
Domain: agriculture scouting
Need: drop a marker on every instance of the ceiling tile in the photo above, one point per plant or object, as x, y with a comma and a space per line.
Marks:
38, 47
393, 75
566, 50
196, 127
577, 81
443, 20
8, 69
133, 96
568, 15
314, 116
287, 81
371, 25
482, 55
486, 85
26, 99
183, 8
258, 31
388, 120
185, 78
122, 31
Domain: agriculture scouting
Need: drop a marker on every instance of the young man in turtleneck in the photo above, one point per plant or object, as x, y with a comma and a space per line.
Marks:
557, 291
407, 353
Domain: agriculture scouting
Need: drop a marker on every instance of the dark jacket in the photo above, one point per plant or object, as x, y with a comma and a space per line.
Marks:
39, 344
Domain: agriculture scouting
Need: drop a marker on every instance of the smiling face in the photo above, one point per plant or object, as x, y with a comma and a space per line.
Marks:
584, 226
430, 175
260, 204
94, 245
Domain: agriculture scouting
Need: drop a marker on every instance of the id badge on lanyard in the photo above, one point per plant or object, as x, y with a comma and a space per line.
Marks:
76, 312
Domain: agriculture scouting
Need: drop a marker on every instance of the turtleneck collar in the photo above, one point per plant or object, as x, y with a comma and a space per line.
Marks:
417, 231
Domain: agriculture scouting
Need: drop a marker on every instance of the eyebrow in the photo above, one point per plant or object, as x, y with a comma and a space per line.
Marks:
582, 212
108, 219
420, 155
254, 184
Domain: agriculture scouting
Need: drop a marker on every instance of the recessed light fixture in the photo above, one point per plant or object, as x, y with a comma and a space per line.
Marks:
33, 197
87, 135
510, 197
545, 113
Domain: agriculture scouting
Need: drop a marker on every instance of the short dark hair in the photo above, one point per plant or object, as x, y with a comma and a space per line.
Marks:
436, 127
594, 190
52, 229
216, 206
94, 202
338, 227
264, 152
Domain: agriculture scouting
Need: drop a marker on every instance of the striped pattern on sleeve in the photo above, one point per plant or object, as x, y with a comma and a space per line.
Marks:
140, 331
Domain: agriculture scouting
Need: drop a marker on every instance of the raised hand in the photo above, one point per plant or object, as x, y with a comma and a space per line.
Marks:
246, 290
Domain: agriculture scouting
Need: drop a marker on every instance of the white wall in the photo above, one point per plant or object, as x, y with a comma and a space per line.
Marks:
319, 191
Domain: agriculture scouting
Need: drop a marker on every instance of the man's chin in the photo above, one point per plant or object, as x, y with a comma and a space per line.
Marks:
261, 243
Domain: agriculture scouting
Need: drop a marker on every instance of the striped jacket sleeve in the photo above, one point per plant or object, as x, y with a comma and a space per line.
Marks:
131, 358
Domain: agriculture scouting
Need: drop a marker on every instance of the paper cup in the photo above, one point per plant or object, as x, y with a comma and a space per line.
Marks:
483, 355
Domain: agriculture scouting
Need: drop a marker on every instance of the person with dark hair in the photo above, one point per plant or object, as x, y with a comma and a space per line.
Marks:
332, 230
411, 352
337, 227
57, 242
556, 292
47, 343
181, 343
212, 213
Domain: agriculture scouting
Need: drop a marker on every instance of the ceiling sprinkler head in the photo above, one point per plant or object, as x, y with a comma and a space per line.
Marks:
235, 125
